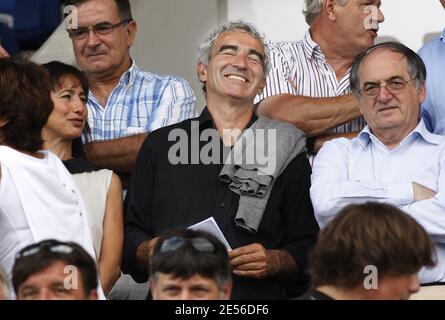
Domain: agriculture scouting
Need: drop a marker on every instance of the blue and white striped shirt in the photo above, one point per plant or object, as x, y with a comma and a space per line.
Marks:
300, 68
141, 102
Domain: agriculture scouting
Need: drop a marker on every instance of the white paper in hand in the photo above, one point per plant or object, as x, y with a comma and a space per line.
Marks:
210, 226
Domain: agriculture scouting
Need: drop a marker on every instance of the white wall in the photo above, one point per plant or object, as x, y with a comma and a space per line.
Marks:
169, 32
409, 21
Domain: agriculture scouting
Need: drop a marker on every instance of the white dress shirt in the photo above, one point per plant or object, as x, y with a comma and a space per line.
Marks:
364, 169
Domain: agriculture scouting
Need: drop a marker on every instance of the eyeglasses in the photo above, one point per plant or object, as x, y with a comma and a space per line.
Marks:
56, 247
393, 86
98, 29
174, 243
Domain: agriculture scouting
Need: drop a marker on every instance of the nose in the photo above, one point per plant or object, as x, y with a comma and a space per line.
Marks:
185, 295
384, 95
79, 106
44, 294
380, 17
240, 61
92, 39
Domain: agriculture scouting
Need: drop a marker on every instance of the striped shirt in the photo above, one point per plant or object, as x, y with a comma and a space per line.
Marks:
300, 68
141, 102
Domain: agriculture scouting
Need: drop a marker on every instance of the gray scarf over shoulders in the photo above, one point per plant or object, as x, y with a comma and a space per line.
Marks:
256, 160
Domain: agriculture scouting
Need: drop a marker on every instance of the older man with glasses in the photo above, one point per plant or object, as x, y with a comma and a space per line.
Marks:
395, 159
124, 103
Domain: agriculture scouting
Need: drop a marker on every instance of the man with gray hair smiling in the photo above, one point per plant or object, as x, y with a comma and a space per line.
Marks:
395, 159
308, 84
263, 211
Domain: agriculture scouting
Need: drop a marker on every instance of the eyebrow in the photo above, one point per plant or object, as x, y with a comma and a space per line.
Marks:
96, 24
228, 47
386, 80
235, 48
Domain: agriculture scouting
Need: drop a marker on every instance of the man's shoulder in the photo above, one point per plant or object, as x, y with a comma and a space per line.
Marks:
341, 143
430, 48
163, 133
147, 76
285, 46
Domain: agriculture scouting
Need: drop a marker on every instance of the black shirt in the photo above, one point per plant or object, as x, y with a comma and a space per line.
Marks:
314, 294
162, 196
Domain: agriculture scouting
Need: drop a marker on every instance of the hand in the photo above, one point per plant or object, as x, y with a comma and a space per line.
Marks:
3, 53
151, 246
421, 192
254, 261
144, 252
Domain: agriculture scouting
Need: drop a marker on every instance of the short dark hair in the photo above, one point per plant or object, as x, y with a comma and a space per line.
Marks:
415, 65
186, 261
369, 234
123, 7
25, 103
58, 72
27, 265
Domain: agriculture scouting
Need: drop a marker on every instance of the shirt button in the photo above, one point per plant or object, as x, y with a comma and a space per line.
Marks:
223, 204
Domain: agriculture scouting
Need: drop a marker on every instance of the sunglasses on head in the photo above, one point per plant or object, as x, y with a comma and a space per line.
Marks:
56, 247
175, 243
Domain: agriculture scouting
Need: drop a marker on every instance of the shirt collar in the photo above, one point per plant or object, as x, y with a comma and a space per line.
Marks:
129, 76
311, 48
442, 36
365, 136
206, 121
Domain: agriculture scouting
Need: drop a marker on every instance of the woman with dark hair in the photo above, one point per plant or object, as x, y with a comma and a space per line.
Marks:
101, 189
38, 197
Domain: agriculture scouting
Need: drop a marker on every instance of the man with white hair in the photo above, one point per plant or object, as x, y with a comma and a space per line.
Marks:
394, 159
309, 81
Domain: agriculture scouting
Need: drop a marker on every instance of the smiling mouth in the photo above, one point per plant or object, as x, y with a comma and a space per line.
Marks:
236, 77
77, 122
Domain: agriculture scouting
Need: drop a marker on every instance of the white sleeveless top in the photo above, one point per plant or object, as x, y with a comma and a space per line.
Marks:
94, 188
38, 200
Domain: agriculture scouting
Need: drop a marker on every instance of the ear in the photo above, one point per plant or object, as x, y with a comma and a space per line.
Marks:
422, 93
152, 289
361, 104
132, 29
202, 72
227, 291
329, 9
261, 87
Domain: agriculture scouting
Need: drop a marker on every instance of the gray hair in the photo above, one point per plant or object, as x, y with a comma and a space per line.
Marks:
314, 7
205, 49
415, 66
5, 287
